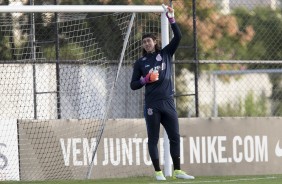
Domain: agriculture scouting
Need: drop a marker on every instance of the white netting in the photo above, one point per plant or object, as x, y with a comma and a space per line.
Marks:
56, 80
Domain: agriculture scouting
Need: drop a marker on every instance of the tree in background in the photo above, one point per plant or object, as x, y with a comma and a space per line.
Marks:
5, 47
219, 38
266, 45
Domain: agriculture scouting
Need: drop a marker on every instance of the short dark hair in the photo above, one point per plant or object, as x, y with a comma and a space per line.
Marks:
150, 35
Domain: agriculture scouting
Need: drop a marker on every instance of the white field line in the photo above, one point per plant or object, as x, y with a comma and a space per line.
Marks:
223, 180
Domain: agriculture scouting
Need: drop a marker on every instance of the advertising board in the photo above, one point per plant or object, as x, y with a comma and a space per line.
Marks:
221, 146
9, 157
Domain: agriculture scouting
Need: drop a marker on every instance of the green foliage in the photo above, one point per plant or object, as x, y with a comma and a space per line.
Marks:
5, 51
266, 45
67, 52
250, 107
230, 110
267, 23
276, 95
183, 105
277, 108
109, 39
255, 107
4, 2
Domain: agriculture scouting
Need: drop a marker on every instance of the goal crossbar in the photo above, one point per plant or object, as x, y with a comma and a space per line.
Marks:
82, 8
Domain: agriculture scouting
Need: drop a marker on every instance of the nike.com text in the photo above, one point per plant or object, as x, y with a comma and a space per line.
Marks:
213, 149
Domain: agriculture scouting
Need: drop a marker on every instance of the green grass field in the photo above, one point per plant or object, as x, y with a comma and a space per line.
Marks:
266, 179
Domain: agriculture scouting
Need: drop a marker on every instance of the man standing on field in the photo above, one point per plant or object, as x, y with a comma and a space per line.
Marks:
154, 71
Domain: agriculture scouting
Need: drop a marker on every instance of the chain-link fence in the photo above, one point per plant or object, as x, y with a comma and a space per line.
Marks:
228, 64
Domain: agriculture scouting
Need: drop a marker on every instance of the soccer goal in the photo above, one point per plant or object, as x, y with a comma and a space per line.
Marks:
65, 72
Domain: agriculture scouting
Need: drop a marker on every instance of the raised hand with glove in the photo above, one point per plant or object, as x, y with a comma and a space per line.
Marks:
169, 13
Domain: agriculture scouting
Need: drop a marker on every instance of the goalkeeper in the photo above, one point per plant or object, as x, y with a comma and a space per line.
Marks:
154, 71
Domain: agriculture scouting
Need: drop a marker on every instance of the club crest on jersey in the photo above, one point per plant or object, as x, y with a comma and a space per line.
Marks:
150, 111
159, 57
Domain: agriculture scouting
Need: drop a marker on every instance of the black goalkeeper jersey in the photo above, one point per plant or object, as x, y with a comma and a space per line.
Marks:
161, 61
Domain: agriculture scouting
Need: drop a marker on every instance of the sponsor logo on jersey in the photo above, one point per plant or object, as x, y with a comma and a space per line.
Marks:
159, 57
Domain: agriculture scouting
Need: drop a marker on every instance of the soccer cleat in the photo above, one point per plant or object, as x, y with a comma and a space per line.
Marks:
159, 176
179, 174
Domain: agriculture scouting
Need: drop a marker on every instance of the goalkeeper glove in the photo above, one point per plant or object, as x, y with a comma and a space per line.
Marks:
152, 76
169, 13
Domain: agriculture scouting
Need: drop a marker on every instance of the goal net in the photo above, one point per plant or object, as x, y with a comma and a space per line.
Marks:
64, 91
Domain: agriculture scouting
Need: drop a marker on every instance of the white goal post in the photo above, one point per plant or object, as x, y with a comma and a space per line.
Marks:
82, 8
109, 9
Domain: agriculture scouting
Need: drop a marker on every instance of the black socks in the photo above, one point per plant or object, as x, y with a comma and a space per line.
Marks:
176, 163
175, 160
156, 164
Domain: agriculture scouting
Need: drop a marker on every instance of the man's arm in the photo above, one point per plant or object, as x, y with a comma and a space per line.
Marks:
174, 43
135, 79
177, 35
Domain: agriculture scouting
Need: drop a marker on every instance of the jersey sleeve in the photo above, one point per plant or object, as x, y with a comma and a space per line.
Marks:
173, 44
135, 79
